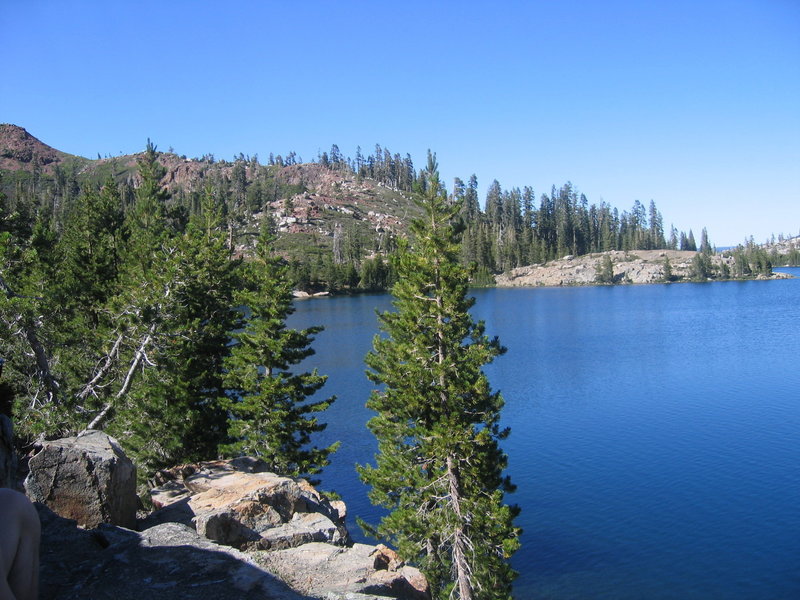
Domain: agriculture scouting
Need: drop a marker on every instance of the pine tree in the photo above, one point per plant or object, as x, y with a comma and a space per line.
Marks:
269, 405
705, 245
201, 317
605, 270
690, 243
701, 267
439, 467
667, 273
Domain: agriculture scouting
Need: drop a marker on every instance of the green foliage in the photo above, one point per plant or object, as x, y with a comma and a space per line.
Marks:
439, 467
667, 276
270, 415
701, 267
605, 270
751, 260
179, 393
513, 232
124, 322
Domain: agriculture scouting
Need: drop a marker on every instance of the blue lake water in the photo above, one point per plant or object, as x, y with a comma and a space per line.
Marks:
655, 433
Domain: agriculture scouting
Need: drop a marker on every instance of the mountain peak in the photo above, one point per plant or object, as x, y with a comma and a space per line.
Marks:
20, 150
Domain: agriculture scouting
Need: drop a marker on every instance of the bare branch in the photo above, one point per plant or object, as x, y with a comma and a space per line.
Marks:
109, 361
126, 384
42, 364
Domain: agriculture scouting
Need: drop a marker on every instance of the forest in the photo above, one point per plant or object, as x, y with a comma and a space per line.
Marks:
120, 317
106, 268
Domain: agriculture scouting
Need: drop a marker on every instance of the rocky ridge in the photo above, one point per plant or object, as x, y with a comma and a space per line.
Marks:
19, 150
308, 201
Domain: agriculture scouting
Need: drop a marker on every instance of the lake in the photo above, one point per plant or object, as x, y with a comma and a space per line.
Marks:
655, 433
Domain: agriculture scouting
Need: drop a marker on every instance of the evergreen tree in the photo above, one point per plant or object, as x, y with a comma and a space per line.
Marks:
701, 267
690, 243
667, 276
705, 245
268, 405
439, 467
605, 270
196, 336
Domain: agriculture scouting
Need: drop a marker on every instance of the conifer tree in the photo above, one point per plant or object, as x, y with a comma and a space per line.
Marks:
269, 407
439, 469
191, 341
667, 276
605, 270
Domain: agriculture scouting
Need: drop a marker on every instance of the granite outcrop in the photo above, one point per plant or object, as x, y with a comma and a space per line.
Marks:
636, 266
220, 529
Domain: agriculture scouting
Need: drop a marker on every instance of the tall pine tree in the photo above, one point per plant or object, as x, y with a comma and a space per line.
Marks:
439, 469
269, 406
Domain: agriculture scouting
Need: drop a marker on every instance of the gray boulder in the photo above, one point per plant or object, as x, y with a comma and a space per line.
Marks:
237, 503
168, 562
87, 478
359, 571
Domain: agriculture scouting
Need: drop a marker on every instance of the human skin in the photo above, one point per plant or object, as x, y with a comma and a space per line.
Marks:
20, 531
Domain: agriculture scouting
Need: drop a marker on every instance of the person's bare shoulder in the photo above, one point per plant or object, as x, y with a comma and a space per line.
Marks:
18, 503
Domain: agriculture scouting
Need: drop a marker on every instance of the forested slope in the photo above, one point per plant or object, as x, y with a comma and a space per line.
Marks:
336, 218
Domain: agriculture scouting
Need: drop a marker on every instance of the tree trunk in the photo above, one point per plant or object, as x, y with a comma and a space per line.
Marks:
460, 540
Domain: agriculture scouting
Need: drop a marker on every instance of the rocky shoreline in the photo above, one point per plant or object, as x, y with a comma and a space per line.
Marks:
634, 267
220, 529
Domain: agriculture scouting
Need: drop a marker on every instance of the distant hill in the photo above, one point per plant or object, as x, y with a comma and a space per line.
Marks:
19, 150
317, 209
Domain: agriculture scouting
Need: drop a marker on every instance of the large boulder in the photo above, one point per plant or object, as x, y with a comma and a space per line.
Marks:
238, 503
176, 555
87, 478
359, 571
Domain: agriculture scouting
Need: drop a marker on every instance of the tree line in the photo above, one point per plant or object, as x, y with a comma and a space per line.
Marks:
514, 228
509, 228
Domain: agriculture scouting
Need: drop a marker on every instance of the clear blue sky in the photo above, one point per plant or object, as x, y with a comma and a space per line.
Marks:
694, 104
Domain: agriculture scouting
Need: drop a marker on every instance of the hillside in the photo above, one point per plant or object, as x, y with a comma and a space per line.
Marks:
20, 151
316, 209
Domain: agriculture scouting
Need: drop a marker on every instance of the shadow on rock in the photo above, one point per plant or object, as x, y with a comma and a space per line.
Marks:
168, 561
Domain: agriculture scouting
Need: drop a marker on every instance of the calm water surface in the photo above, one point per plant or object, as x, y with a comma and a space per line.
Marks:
655, 433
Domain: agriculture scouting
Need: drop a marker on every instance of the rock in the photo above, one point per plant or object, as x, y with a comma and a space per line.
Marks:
639, 266
87, 478
239, 504
329, 571
168, 562
6, 453
302, 529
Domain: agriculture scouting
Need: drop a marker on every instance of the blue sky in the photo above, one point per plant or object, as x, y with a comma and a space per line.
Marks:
693, 104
